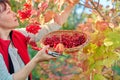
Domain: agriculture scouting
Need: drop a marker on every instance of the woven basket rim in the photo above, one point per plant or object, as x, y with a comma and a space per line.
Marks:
58, 32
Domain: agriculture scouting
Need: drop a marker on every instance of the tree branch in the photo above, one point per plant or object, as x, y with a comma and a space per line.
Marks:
85, 5
97, 10
98, 3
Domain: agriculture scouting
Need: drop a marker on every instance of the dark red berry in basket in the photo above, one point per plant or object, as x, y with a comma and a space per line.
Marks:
68, 40
52, 41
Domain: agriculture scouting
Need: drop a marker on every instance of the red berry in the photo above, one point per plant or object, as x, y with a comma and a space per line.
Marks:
33, 28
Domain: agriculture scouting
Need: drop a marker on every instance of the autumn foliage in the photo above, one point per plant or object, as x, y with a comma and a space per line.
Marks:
94, 61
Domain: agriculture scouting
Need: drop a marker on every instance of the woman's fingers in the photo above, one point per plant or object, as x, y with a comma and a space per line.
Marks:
45, 48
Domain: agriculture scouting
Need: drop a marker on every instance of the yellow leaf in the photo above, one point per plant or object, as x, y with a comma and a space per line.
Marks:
107, 42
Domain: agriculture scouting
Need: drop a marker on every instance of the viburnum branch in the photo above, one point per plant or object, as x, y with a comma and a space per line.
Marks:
85, 5
98, 3
88, 6
97, 10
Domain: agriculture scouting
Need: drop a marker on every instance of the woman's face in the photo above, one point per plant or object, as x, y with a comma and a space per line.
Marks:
8, 19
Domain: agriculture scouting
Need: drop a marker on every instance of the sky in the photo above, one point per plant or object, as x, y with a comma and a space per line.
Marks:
103, 2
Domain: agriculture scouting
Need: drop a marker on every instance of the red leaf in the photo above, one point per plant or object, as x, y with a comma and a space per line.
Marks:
101, 25
48, 16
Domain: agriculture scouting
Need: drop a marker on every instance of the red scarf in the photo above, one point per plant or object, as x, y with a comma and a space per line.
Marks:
20, 42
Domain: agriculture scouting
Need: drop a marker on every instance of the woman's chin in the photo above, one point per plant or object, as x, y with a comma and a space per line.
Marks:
17, 24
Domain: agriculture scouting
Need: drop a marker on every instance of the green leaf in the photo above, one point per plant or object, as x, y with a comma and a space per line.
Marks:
114, 38
107, 42
108, 62
116, 68
99, 77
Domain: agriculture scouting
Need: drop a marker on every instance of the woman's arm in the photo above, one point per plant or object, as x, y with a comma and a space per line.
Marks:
25, 71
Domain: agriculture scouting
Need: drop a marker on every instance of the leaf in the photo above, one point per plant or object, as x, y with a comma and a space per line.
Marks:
99, 53
99, 77
107, 42
116, 68
48, 16
114, 37
112, 57
108, 62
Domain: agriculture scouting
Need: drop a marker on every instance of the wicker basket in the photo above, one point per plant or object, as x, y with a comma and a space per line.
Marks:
68, 32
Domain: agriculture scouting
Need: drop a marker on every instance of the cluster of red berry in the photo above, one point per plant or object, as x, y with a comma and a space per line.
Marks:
26, 12
69, 41
33, 28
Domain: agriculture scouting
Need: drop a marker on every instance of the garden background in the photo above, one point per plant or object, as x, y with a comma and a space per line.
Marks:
99, 59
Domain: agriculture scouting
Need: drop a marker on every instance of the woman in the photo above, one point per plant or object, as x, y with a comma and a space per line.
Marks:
15, 63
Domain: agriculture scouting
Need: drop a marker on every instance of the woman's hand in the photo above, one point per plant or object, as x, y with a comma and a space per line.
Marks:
42, 55
62, 17
25, 71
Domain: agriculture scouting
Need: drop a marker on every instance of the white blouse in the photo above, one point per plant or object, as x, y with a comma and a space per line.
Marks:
16, 59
